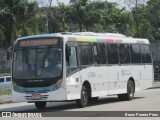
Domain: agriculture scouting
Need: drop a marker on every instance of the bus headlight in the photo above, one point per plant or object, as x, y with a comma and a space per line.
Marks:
58, 84
15, 87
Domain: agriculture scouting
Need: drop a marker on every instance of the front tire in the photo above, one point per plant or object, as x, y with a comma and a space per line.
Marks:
130, 92
40, 105
83, 101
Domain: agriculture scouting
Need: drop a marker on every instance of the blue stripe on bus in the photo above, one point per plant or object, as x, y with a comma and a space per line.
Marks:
80, 78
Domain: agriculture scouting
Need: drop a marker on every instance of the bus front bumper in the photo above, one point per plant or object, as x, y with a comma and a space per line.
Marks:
57, 95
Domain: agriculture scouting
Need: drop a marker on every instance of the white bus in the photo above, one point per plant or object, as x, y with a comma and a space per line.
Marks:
79, 66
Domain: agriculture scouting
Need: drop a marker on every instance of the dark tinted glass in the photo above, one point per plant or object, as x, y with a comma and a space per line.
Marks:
86, 54
71, 60
146, 54
124, 53
135, 53
100, 53
112, 52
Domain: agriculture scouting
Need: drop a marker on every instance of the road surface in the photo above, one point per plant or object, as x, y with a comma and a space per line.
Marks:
146, 100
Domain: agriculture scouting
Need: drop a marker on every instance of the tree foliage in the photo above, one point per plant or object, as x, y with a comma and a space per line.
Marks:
14, 16
22, 17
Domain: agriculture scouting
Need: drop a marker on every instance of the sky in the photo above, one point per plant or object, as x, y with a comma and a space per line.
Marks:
67, 1
121, 3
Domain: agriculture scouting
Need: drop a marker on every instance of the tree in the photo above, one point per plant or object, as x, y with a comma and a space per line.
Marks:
14, 14
135, 4
2, 37
154, 17
85, 13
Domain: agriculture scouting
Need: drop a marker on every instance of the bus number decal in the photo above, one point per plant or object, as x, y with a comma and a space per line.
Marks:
125, 72
92, 74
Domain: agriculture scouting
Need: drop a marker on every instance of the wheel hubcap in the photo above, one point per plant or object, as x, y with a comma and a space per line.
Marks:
84, 97
131, 91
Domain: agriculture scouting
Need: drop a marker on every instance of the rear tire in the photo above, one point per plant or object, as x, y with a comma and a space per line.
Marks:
83, 101
40, 105
130, 92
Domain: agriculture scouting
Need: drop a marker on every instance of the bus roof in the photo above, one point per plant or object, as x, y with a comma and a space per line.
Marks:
92, 37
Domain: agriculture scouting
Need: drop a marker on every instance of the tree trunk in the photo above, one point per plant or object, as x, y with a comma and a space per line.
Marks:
80, 27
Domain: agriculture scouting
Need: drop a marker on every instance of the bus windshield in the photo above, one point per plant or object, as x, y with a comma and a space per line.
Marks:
37, 63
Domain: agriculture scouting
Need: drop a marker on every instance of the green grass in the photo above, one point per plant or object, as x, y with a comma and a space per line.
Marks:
5, 92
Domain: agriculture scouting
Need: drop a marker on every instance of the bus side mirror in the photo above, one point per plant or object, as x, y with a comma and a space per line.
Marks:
9, 53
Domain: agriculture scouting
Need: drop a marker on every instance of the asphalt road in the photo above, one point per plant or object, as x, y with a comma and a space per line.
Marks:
146, 100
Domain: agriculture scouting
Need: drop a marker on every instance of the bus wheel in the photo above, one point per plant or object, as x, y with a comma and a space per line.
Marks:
130, 92
40, 105
83, 101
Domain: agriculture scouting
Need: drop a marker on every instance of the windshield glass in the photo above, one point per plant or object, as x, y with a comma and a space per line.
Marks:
37, 63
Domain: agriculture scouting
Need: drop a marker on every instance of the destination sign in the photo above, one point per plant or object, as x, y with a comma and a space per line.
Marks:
35, 42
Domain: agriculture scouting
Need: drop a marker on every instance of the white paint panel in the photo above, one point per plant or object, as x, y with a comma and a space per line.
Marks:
96, 76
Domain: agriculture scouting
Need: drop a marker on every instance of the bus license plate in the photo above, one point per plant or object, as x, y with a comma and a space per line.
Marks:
36, 96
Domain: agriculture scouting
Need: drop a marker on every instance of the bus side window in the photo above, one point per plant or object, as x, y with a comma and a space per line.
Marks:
86, 55
146, 54
135, 53
112, 52
124, 53
100, 53
73, 57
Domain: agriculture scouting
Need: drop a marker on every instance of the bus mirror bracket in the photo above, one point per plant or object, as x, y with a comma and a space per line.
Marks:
9, 53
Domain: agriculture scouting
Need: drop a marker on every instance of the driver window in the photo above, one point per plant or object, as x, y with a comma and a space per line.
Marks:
72, 58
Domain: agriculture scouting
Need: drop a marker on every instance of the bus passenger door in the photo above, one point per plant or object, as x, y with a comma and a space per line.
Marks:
73, 86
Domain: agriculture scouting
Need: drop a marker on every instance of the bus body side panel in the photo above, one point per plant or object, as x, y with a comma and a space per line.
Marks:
96, 76
136, 74
118, 77
143, 76
146, 77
